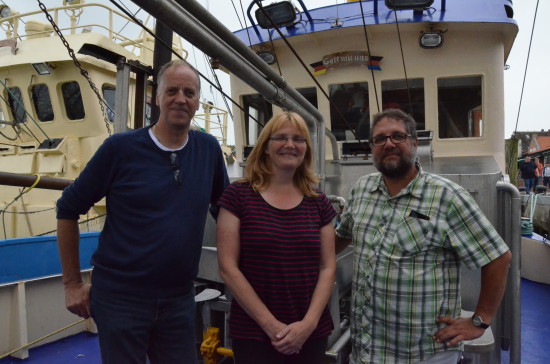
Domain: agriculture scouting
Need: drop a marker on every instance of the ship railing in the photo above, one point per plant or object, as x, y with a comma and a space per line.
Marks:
509, 228
213, 121
28, 302
68, 20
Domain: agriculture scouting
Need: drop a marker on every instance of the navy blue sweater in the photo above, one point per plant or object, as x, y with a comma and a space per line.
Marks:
151, 243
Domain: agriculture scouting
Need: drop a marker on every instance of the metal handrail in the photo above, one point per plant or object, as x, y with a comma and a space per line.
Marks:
508, 226
11, 26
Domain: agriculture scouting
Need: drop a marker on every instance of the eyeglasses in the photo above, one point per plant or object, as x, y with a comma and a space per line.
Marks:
175, 168
284, 139
396, 138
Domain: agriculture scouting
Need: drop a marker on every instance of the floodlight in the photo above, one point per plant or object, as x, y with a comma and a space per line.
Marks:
408, 4
41, 68
5, 11
267, 57
72, 2
281, 13
431, 39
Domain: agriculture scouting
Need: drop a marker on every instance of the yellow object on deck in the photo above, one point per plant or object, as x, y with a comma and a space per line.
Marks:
210, 347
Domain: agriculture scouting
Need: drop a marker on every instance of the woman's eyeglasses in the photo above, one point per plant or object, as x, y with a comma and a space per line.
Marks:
284, 139
396, 138
175, 168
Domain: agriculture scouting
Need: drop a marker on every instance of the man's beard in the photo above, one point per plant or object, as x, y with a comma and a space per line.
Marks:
395, 169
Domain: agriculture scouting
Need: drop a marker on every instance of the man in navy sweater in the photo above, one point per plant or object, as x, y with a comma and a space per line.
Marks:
159, 183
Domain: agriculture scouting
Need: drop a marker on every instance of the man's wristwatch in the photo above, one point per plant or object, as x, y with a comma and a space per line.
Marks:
478, 322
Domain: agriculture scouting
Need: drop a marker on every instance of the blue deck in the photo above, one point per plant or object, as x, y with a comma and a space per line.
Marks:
535, 331
535, 322
81, 348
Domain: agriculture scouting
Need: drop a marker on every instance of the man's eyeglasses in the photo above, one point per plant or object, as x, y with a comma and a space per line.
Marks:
175, 168
284, 139
396, 138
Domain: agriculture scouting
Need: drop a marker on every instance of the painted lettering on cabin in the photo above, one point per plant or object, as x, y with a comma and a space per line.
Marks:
349, 58
359, 58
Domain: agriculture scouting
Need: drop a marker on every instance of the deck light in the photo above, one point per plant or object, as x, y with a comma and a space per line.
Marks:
431, 39
72, 2
408, 4
267, 57
5, 11
41, 68
282, 14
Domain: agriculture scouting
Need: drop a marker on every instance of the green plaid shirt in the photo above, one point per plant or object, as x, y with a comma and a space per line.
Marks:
407, 254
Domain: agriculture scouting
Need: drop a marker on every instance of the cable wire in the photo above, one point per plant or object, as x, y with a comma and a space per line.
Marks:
526, 65
336, 108
404, 64
368, 50
114, 2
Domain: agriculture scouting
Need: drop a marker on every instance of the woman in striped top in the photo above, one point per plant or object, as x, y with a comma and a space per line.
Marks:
276, 250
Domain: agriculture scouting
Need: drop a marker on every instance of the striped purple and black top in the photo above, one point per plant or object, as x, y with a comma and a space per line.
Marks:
279, 256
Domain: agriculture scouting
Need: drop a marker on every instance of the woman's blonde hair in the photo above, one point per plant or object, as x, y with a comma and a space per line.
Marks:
258, 165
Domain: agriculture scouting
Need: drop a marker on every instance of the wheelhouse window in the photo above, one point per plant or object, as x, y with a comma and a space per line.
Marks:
42, 102
406, 95
17, 108
72, 98
257, 113
109, 97
349, 111
310, 94
460, 107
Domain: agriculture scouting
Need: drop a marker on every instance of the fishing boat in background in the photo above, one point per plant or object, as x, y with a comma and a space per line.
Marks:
65, 86
441, 61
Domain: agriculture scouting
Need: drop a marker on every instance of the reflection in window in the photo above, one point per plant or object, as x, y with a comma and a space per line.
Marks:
109, 97
349, 110
147, 113
460, 107
73, 100
15, 101
2, 119
406, 95
256, 107
42, 102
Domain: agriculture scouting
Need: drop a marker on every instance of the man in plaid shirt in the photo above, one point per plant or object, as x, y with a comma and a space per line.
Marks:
410, 231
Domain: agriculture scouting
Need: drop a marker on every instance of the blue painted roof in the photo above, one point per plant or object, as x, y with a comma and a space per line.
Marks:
481, 11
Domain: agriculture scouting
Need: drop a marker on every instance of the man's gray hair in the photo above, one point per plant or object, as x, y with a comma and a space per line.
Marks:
174, 63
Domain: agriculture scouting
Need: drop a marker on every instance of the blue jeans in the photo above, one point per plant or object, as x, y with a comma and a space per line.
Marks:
133, 328
529, 184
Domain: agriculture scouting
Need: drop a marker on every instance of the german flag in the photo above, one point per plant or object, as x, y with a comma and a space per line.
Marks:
318, 68
374, 63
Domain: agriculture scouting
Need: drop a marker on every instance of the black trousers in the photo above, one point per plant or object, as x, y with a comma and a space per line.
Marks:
256, 352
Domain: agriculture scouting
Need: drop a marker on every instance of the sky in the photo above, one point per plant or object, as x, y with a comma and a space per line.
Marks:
535, 83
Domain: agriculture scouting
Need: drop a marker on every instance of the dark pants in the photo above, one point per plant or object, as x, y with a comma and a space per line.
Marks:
546, 181
255, 351
529, 184
133, 328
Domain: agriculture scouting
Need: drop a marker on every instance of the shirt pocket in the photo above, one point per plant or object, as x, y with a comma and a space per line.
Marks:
415, 235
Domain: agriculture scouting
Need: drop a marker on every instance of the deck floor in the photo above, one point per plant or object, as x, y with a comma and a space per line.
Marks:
535, 323
83, 348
